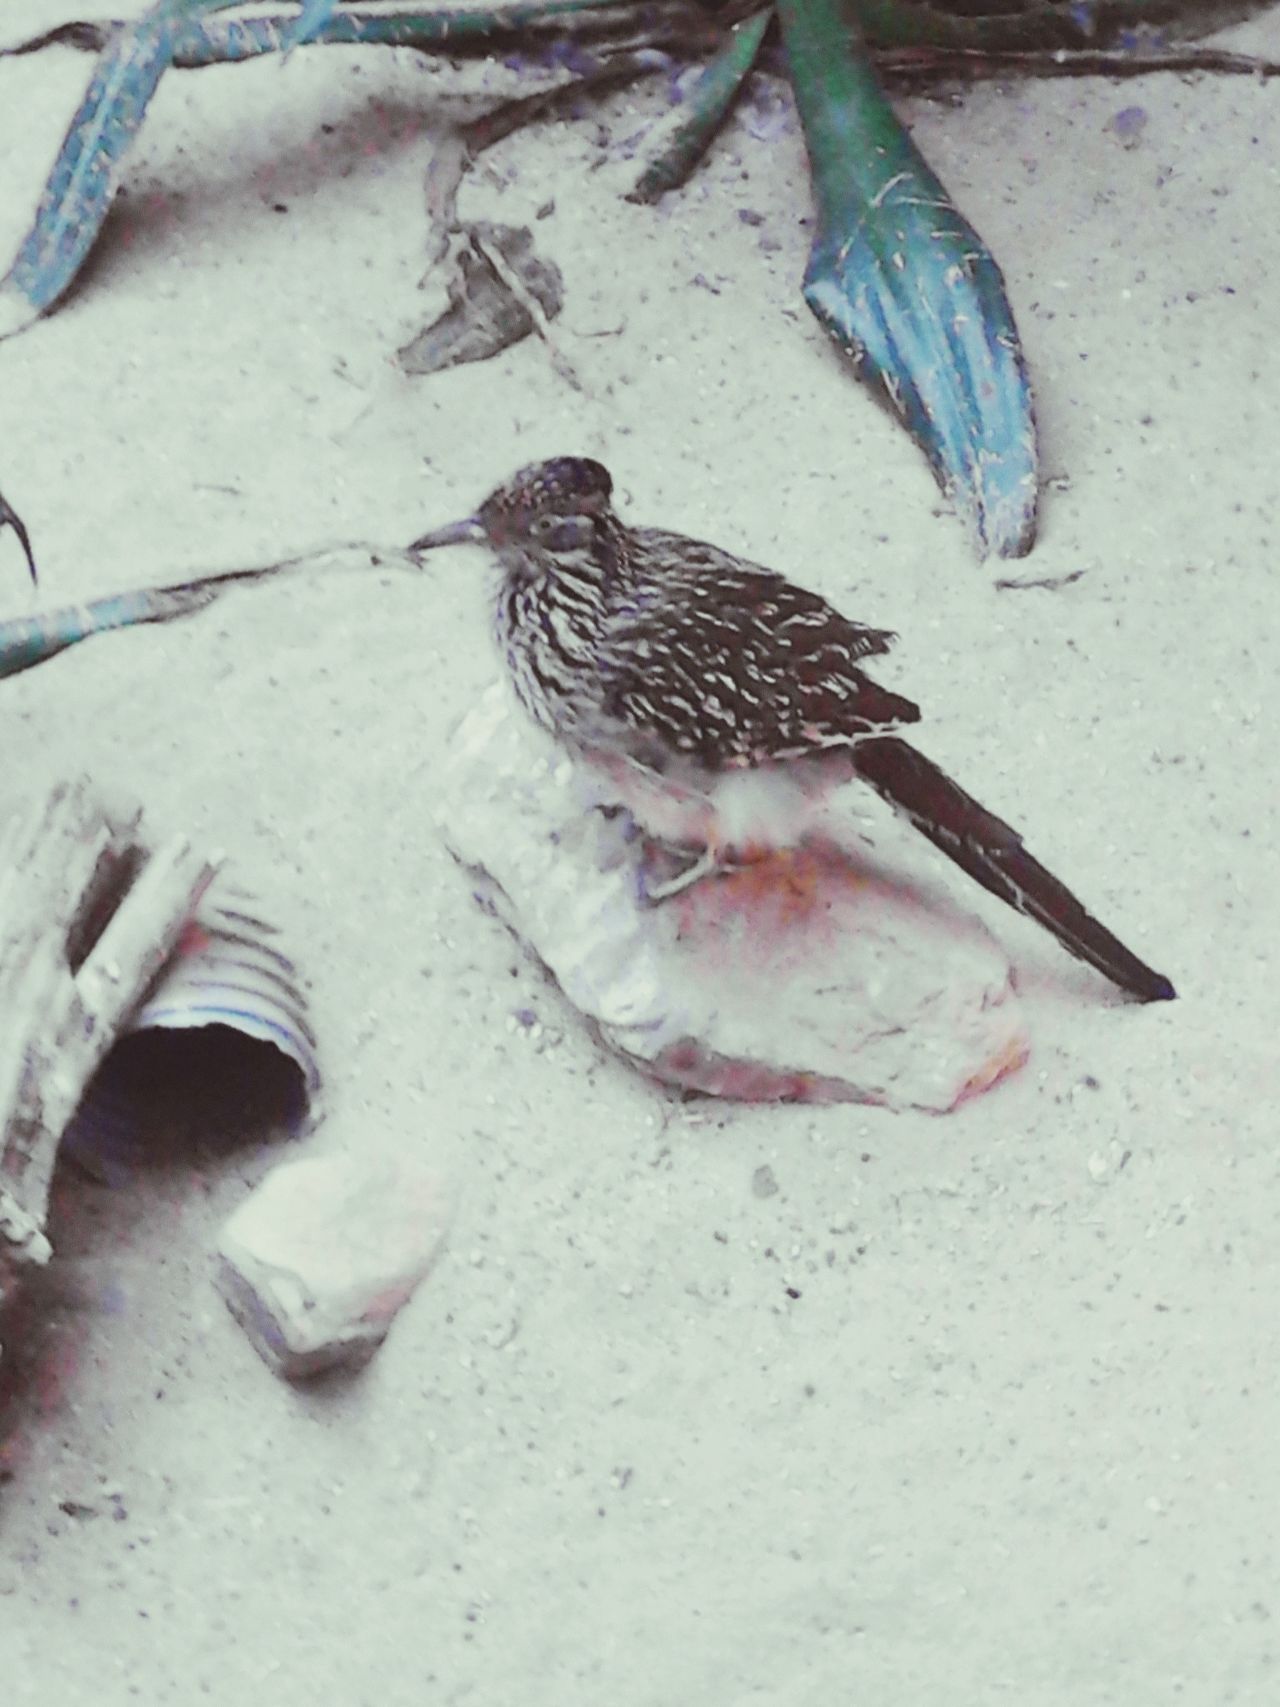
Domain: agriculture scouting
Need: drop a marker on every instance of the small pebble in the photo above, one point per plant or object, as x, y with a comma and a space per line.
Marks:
1129, 124
763, 1182
316, 1263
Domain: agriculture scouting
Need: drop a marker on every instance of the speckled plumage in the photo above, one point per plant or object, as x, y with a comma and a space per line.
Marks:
690, 653
718, 698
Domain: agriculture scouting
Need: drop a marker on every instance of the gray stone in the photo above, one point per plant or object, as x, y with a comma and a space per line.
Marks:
318, 1260
764, 1182
825, 973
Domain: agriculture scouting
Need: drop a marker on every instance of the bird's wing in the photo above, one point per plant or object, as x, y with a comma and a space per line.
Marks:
734, 666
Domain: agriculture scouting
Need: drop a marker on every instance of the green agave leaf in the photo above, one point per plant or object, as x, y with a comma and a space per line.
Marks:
676, 149
29, 640
537, 29
903, 283
82, 184
312, 18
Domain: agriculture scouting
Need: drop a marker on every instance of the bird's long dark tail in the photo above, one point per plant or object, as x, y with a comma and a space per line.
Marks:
992, 853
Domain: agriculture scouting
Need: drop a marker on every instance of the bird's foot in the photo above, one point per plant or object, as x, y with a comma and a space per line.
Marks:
664, 857
676, 866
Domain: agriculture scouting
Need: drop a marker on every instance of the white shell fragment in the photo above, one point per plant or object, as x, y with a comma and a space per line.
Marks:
318, 1260
815, 975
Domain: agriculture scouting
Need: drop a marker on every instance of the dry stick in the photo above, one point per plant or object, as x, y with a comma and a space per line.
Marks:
60, 1024
532, 307
458, 151
55, 852
449, 165
106, 884
612, 70
1050, 582
926, 65
39, 873
137, 941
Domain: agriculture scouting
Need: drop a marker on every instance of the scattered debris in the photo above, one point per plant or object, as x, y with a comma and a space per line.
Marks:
77, 1508
899, 279
318, 1261
108, 940
499, 291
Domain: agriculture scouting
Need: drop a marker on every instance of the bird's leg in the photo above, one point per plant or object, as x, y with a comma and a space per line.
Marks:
687, 862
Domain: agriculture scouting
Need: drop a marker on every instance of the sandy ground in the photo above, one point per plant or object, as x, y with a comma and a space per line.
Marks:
1014, 1440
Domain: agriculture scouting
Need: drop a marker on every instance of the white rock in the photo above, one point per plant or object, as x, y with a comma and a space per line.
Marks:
316, 1263
817, 975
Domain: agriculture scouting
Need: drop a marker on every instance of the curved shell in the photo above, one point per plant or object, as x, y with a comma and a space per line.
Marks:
228, 1009
226, 972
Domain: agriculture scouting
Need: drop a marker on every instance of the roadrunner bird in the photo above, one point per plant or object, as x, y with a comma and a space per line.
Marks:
720, 701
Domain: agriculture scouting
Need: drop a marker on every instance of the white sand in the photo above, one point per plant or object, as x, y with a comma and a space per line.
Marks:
1016, 1438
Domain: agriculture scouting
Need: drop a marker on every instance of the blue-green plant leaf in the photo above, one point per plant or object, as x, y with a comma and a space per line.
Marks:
82, 185
540, 30
675, 150
80, 189
29, 640
313, 17
907, 288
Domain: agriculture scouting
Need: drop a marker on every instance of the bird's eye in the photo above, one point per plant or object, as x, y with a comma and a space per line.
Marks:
562, 533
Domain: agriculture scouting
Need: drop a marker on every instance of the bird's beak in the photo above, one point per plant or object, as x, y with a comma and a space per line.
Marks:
469, 531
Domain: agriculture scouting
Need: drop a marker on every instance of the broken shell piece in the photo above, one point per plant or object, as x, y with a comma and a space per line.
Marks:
224, 1026
317, 1262
819, 975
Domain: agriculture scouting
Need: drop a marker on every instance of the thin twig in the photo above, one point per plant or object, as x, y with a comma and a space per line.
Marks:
1049, 582
927, 65
612, 71
532, 307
